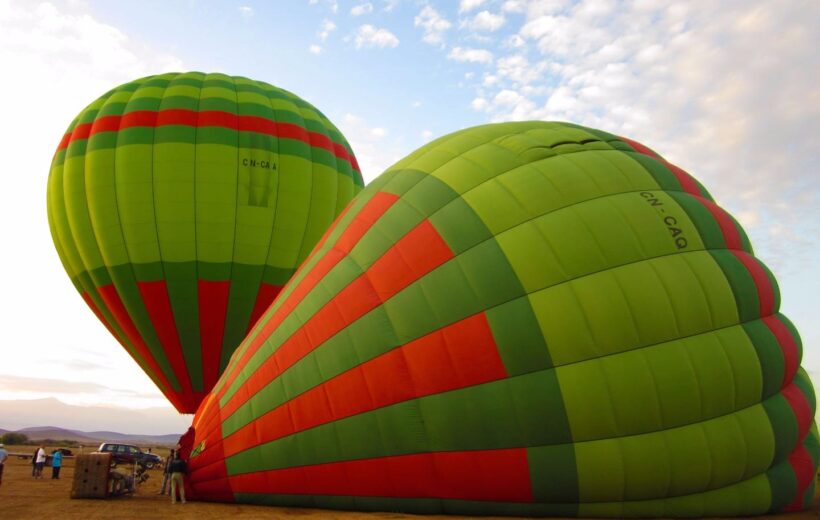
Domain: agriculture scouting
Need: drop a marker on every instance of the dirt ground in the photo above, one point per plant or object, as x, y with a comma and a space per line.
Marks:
24, 497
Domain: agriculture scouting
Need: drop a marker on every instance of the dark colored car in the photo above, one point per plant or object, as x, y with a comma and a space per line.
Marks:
129, 454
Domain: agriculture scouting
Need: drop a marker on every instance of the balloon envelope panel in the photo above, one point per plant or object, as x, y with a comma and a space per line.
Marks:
180, 204
520, 319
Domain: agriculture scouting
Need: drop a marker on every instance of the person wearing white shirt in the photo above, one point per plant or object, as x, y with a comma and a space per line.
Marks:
40, 461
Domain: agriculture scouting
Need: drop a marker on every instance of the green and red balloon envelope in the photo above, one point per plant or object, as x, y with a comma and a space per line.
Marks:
180, 204
526, 319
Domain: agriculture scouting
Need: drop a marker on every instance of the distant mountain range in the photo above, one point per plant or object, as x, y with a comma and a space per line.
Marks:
91, 424
93, 438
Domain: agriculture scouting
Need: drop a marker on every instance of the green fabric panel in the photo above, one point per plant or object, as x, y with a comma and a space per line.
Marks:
663, 176
517, 407
661, 386
58, 222
174, 201
782, 485
634, 305
784, 425
215, 203
803, 381
459, 226
245, 280
750, 497
708, 228
561, 181
181, 283
553, 473
619, 229
135, 201
706, 455
769, 353
518, 338
478, 279
77, 213
743, 286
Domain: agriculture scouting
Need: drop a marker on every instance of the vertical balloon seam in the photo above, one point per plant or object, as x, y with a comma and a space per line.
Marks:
223, 349
131, 266
163, 270
110, 269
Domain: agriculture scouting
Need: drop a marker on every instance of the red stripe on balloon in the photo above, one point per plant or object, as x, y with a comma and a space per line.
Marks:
267, 293
213, 309
686, 181
364, 294
457, 356
800, 460
207, 118
800, 407
803, 467
485, 475
765, 291
728, 229
369, 214
109, 295
158, 304
788, 346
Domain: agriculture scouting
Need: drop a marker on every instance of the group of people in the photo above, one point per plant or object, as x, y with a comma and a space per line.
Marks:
38, 462
173, 473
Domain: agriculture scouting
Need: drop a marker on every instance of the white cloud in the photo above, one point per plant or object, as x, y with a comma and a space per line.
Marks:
433, 24
468, 5
485, 21
426, 135
246, 11
369, 36
68, 57
389, 5
471, 55
514, 6
325, 28
479, 104
374, 148
315, 49
362, 9
416, 104
698, 85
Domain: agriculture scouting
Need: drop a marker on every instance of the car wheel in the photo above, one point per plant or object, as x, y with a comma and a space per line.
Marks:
149, 465
113, 464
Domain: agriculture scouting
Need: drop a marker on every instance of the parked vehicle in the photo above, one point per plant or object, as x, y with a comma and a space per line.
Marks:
129, 454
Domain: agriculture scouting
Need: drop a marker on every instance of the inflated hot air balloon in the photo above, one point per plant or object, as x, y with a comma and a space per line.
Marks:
181, 203
520, 319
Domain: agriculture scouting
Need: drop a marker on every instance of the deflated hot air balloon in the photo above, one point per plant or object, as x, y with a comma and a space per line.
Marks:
520, 319
181, 203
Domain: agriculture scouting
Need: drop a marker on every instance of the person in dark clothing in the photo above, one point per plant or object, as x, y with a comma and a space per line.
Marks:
178, 468
166, 473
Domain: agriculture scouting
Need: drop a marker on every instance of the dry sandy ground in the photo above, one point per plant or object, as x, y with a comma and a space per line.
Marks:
23, 497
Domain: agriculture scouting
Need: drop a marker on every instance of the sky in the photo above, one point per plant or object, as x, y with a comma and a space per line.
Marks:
727, 90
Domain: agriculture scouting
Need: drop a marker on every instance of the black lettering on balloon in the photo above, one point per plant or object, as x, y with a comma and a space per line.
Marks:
669, 221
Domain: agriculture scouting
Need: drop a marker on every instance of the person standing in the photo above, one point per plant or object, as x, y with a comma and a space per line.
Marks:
40, 462
178, 469
166, 473
3, 456
56, 464
34, 463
